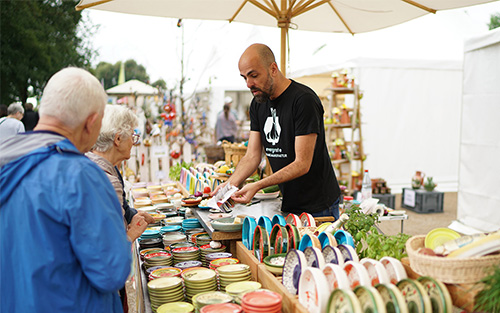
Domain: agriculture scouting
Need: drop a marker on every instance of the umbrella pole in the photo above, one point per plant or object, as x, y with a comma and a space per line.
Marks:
284, 35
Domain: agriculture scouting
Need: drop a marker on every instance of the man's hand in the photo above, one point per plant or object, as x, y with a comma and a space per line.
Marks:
245, 194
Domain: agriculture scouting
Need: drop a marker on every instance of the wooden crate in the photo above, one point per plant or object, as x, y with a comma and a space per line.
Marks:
290, 302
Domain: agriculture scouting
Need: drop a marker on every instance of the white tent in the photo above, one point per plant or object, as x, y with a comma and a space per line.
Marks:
479, 179
410, 114
132, 87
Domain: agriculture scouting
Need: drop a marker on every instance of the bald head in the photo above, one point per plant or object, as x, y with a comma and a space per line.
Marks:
261, 52
259, 69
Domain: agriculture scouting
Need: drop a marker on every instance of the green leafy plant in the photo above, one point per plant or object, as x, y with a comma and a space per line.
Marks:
369, 242
175, 170
488, 299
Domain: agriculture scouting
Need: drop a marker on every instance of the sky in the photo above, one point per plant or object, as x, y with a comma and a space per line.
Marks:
211, 49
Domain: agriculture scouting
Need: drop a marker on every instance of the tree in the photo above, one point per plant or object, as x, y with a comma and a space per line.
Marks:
160, 83
38, 38
494, 21
108, 73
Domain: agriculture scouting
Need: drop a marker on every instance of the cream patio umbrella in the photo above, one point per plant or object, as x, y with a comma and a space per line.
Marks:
341, 16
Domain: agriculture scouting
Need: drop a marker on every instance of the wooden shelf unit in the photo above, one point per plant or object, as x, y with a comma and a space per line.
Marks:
352, 158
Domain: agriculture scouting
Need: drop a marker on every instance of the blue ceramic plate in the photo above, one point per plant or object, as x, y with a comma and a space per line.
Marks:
344, 238
249, 225
265, 222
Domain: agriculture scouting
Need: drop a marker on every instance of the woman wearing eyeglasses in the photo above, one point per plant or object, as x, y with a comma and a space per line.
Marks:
113, 146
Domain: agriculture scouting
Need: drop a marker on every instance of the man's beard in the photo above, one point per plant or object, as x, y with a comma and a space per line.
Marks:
265, 95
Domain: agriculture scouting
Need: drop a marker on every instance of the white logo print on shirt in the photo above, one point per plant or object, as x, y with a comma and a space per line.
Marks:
272, 128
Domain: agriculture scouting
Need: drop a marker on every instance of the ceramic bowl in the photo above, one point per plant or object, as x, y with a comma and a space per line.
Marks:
227, 224
265, 222
326, 239
394, 268
357, 274
295, 263
314, 257
312, 292
333, 255
278, 219
293, 219
376, 271
344, 237
348, 253
309, 240
248, 229
307, 220
393, 298
274, 263
336, 277
343, 300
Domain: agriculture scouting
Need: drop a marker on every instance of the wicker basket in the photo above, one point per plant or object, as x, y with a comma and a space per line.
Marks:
449, 270
234, 152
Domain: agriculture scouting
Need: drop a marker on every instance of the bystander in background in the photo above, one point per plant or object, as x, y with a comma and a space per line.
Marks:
11, 124
30, 118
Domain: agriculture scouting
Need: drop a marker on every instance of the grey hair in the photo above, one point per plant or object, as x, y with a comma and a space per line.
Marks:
117, 120
14, 108
72, 95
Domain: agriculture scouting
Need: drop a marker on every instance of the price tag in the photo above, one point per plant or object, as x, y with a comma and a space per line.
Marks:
159, 151
409, 198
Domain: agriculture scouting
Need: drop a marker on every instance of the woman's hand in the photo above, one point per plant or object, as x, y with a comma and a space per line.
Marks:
136, 227
245, 194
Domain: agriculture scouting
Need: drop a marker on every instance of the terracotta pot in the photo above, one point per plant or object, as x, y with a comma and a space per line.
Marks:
417, 180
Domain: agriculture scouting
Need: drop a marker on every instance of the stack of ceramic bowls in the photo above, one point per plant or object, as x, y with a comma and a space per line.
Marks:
190, 223
170, 229
221, 262
171, 238
191, 233
151, 243
144, 251
222, 308
174, 220
206, 250
157, 258
201, 239
233, 273
158, 217
149, 270
209, 257
238, 289
186, 254
198, 280
165, 272
150, 233
177, 307
188, 264
207, 298
164, 290
261, 301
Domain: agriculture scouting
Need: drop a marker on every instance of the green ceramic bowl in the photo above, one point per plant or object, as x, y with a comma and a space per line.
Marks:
226, 224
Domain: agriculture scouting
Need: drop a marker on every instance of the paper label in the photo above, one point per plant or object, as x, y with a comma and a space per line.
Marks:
159, 151
409, 198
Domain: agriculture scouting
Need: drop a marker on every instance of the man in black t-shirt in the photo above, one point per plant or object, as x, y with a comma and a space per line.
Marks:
286, 120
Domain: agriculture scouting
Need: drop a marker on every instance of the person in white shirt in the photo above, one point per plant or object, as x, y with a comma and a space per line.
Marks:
11, 124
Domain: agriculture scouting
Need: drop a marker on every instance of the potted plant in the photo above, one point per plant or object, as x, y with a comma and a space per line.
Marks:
429, 184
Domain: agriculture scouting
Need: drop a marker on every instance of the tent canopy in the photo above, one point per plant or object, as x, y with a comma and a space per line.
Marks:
133, 87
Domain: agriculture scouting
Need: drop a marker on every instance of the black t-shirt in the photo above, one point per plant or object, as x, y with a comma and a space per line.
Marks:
296, 112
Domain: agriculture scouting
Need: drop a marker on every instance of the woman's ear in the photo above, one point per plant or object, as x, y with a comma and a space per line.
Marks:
118, 139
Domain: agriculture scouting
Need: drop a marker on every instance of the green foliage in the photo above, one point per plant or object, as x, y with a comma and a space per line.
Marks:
38, 39
175, 170
488, 299
160, 83
108, 73
369, 242
494, 21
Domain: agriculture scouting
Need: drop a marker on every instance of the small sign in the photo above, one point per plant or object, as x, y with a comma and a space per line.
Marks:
159, 152
409, 198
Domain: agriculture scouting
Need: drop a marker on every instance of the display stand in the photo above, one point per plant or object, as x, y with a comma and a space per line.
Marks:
344, 128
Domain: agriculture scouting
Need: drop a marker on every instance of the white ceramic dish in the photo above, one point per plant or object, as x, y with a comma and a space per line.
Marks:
295, 263
357, 274
312, 292
265, 196
395, 270
314, 257
393, 298
333, 255
336, 277
376, 271
370, 299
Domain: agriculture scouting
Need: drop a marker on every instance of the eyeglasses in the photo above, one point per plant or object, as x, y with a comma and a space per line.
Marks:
135, 138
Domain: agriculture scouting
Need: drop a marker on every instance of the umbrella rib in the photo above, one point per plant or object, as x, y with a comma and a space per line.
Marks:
301, 7
80, 7
420, 6
263, 7
273, 4
238, 11
341, 19
308, 7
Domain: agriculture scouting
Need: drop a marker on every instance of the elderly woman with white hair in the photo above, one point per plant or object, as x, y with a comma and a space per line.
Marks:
11, 124
113, 146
